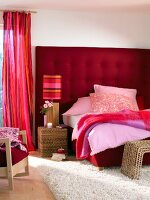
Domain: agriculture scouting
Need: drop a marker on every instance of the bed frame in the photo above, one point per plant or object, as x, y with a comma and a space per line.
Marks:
81, 68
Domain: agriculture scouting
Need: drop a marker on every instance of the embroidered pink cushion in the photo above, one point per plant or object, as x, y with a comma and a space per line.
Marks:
108, 103
82, 106
9, 132
131, 93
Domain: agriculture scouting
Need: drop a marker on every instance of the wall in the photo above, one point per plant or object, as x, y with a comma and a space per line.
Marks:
100, 29
97, 29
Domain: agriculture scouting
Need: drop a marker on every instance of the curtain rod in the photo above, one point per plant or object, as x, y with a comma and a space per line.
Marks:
28, 11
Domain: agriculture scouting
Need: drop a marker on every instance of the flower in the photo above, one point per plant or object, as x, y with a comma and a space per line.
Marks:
50, 104
45, 107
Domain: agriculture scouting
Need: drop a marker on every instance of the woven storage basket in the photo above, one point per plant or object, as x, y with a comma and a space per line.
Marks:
133, 157
51, 139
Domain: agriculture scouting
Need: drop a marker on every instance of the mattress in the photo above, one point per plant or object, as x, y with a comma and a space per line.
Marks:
71, 120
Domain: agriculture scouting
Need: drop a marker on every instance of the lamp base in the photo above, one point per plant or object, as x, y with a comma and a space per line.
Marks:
53, 114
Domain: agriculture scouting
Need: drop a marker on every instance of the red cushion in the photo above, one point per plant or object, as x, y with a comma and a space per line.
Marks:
17, 155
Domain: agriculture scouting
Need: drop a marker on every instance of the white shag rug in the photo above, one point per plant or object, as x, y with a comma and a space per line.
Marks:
75, 180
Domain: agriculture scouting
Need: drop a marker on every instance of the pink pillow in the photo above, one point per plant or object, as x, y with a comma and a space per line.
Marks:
131, 93
108, 103
82, 106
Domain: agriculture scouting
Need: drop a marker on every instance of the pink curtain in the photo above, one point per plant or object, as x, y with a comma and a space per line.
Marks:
17, 73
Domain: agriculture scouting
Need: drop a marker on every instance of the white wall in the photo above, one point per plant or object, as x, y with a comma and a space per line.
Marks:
100, 29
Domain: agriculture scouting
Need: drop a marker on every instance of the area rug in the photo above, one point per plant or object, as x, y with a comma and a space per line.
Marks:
75, 180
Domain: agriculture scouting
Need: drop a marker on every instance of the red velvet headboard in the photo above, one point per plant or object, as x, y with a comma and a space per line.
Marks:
82, 67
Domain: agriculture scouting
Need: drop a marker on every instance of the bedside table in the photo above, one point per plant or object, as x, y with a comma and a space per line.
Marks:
51, 139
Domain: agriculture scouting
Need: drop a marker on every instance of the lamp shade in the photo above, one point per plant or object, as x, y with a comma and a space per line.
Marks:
52, 87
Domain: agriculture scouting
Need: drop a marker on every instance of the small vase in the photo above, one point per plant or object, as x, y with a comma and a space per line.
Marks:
45, 120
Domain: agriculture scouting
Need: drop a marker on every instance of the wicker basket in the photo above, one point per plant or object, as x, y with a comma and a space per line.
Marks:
51, 139
133, 157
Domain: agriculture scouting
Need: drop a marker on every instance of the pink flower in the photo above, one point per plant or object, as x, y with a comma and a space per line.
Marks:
47, 102
45, 106
50, 104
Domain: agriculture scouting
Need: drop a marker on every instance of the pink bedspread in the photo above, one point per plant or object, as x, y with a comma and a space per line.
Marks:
97, 132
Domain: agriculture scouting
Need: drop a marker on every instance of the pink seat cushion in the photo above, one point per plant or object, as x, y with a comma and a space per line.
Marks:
17, 155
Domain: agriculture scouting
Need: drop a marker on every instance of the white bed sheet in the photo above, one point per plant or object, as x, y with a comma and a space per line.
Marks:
71, 120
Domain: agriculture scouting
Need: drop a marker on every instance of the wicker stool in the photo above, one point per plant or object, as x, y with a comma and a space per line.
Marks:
133, 157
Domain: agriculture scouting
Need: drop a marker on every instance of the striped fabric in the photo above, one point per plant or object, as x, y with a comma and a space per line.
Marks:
52, 87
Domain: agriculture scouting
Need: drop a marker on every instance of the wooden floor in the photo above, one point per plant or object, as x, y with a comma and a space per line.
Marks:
27, 188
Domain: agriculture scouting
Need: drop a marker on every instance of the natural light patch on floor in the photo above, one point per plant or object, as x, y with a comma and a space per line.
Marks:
35, 161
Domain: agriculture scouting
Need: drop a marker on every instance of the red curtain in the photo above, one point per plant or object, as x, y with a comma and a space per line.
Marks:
17, 73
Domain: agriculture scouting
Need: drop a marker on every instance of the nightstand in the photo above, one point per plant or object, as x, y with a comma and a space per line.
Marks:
51, 139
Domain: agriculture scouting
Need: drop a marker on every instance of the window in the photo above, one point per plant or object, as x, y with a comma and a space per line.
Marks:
1, 59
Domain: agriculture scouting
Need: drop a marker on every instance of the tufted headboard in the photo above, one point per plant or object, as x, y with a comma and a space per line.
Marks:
82, 67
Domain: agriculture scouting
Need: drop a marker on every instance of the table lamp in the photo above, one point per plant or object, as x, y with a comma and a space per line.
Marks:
52, 92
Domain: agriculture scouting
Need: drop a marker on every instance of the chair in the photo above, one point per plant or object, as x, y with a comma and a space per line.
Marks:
13, 168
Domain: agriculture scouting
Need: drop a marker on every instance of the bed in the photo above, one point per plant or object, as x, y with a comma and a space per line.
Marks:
121, 67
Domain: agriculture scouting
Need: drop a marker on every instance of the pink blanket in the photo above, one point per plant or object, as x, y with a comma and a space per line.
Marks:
93, 135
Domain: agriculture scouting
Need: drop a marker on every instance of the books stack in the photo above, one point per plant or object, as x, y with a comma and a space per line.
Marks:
59, 156
62, 126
